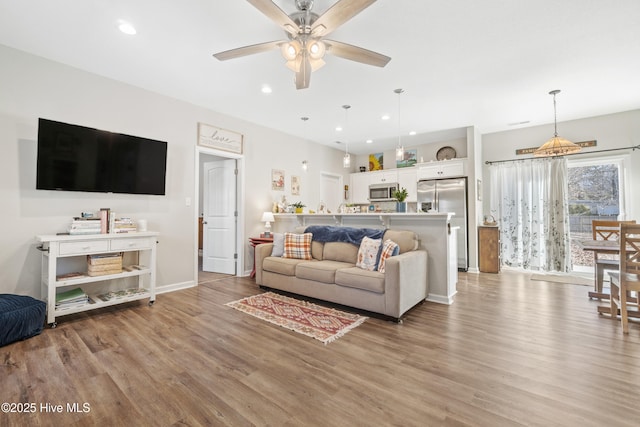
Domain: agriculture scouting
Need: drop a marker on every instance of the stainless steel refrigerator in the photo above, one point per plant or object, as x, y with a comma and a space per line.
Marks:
448, 195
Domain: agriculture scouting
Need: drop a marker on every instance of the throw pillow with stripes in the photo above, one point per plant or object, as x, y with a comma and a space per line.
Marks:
297, 246
389, 248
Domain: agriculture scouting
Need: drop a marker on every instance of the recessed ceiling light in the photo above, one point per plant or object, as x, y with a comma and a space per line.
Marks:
338, 128
369, 141
524, 122
126, 28
413, 132
385, 117
266, 89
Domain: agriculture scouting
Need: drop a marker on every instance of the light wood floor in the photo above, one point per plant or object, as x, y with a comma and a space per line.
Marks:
509, 351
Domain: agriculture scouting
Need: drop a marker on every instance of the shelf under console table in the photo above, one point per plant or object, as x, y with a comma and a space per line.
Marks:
64, 268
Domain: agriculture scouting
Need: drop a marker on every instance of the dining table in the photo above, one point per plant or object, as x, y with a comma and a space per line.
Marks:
603, 247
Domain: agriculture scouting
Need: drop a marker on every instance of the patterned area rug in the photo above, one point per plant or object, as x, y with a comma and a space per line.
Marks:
322, 323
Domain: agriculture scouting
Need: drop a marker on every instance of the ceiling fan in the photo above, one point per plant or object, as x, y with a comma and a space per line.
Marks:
306, 45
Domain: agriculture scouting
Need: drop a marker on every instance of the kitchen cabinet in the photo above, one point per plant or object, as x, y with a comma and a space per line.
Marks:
383, 177
408, 178
443, 169
359, 188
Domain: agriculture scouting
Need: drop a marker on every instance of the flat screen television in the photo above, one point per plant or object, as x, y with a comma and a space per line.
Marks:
78, 158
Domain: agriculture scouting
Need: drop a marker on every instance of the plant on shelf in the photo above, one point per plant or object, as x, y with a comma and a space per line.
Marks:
298, 206
401, 195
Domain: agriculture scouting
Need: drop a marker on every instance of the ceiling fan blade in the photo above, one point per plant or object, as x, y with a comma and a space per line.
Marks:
338, 14
247, 50
277, 15
303, 76
355, 53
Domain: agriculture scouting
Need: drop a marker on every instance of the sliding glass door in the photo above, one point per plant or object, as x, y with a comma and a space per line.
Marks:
596, 191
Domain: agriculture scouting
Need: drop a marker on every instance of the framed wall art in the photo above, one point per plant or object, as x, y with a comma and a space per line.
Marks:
295, 185
277, 179
220, 139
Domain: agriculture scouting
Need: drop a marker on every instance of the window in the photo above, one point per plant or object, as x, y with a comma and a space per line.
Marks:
596, 191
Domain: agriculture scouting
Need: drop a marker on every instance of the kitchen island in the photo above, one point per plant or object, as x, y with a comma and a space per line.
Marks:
433, 229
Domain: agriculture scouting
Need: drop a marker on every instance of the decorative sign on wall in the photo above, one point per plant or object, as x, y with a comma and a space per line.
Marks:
295, 185
221, 139
582, 144
277, 179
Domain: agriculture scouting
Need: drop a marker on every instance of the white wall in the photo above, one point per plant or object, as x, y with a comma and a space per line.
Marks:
611, 131
34, 87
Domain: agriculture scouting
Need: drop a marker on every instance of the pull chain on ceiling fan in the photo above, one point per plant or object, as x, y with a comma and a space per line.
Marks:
306, 47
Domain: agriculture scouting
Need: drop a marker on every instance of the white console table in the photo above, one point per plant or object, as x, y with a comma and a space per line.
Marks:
64, 254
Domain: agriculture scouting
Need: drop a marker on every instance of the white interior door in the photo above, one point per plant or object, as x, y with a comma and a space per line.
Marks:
331, 190
219, 217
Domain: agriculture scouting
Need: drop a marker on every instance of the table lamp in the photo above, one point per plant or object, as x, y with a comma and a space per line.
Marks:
267, 217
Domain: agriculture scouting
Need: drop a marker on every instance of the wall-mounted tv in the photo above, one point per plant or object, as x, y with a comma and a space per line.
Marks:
78, 158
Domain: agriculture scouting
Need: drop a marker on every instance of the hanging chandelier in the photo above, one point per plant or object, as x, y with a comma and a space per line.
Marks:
556, 146
399, 148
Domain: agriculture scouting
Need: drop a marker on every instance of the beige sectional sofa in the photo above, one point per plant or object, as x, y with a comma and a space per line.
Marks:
332, 275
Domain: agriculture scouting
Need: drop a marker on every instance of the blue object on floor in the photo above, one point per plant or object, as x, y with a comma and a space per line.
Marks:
21, 317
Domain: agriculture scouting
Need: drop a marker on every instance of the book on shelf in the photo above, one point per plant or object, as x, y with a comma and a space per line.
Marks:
123, 225
72, 275
72, 298
124, 293
104, 220
84, 226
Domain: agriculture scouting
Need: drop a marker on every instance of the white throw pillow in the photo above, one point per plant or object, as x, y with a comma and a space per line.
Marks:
278, 245
368, 253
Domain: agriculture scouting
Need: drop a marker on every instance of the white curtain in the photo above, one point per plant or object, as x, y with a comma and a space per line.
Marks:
529, 201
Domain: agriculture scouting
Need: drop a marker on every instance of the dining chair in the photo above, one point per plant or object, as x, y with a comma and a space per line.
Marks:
627, 278
605, 230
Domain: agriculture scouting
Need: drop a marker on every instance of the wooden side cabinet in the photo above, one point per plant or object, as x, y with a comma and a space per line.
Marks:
489, 249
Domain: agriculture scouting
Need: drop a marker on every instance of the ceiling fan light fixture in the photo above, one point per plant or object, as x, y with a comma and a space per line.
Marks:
290, 50
316, 49
556, 146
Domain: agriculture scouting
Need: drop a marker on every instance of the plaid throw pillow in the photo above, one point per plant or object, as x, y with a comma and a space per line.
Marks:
389, 248
297, 246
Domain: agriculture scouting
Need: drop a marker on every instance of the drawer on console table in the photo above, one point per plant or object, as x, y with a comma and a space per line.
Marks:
83, 247
131, 243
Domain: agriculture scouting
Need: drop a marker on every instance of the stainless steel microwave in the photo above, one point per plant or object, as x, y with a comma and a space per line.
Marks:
382, 192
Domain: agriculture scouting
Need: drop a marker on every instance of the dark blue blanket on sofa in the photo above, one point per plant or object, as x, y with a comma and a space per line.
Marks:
21, 317
328, 233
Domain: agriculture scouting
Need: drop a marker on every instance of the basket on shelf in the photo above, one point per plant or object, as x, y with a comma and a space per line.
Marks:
103, 264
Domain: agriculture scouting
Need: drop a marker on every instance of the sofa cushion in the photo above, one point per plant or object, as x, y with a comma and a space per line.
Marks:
317, 248
297, 246
355, 277
406, 240
340, 251
323, 271
389, 248
368, 253
286, 266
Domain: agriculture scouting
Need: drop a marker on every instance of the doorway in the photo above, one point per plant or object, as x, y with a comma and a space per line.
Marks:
331, 190
219, 214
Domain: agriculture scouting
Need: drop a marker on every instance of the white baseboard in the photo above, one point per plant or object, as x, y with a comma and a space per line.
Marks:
175, 287
440, 299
